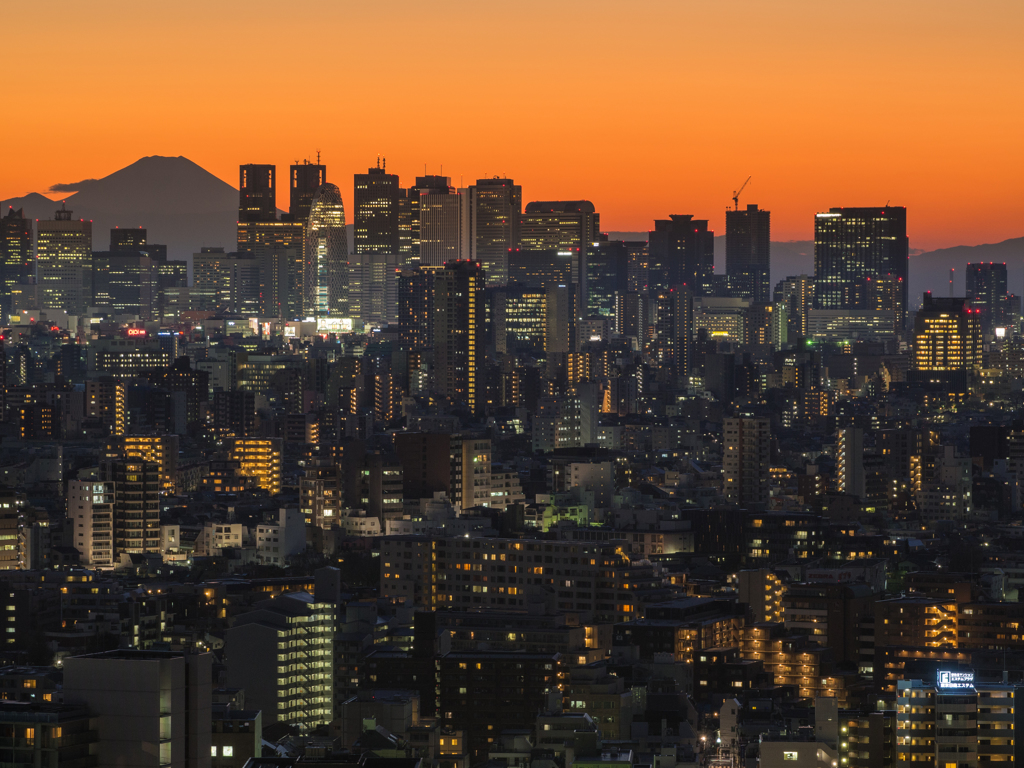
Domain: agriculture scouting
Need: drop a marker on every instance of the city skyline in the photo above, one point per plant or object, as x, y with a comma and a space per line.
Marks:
825, 122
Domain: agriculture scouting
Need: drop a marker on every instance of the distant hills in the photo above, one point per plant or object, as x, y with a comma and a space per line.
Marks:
186, 207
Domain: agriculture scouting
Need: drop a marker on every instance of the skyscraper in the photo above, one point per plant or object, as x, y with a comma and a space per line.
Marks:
748, 253
326, 262
306, 179
986, 291
16, 260
947, 343
127, 240
64, 259
854, 244
460, 333
257, 193
673, 331
440, 221
416, 307
681, 252
497, 207
376, 204
559, 226
607, 275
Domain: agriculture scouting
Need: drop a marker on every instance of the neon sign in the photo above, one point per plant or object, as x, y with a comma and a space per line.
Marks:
955, 680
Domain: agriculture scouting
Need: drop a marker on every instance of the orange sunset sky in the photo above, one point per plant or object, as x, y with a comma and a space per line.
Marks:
646, 107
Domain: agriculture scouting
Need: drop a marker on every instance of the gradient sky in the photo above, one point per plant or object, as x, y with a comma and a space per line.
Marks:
644, 107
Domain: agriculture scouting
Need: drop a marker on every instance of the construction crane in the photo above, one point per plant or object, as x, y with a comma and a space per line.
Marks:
736, 194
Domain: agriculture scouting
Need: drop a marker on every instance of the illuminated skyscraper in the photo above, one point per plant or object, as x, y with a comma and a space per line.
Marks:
257, 193
16, 260
797, 294
497, 205
326, 262
559, 226
376, 204
748, 253
854, 244
64, 260
682, 252
986, 290
440, 221
460, 333
306, 179
947, 342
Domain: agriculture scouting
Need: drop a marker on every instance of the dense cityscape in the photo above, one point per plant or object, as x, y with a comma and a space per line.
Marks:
443, 479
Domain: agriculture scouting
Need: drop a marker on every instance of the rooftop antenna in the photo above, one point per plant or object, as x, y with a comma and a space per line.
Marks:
736, 194
951, 271
385, 164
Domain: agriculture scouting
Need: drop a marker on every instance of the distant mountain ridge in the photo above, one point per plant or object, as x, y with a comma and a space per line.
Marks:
179, 203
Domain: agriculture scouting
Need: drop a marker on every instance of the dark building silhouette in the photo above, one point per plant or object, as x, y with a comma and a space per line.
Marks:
748, 253
16, 258
257, 193
540, 269
986, 291
853, 245
415, 307
305, 179
124, 282
128, 240
607, 267
376, 201
682, 252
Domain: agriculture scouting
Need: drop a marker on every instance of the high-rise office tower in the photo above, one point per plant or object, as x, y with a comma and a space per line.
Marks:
854, 244
797, 294
325, 271
440, 221
559, 226
947, 343
17, 264
638, 271
124, 283
373, 287
748, 253
376, 202
607, 275
561, 336
497, 205
64, 260
986, 291
460, 333
747, 461
416, 307
128, 240
673, 331
305, 180
681, 252
257, 193
253, 235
